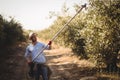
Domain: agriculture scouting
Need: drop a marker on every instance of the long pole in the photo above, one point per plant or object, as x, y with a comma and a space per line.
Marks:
54, 37
83, 6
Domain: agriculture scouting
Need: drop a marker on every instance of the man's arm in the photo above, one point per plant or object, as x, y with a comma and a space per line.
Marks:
27, 55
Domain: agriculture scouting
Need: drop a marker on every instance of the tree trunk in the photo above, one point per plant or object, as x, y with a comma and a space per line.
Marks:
112, 65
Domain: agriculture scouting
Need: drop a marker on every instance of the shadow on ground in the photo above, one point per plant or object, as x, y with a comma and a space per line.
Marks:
13, 67
71, 71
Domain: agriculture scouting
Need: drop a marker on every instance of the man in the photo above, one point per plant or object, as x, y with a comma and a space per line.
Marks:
35, 61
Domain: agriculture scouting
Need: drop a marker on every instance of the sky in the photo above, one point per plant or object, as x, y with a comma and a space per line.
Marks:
33, 14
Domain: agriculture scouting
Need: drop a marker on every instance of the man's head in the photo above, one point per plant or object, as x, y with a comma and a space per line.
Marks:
33, 37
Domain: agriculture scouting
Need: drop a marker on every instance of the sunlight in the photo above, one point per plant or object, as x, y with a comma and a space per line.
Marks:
33, 14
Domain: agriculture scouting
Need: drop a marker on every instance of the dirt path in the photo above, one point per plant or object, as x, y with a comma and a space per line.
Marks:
64, 66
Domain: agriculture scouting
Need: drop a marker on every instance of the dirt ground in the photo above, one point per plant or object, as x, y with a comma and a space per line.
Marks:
63, 64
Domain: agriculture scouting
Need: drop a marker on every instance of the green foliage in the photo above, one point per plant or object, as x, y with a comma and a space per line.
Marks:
72, 36
103, 30
98, 29
10, 32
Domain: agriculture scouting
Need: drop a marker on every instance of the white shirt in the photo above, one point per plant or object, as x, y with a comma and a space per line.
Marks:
33, 50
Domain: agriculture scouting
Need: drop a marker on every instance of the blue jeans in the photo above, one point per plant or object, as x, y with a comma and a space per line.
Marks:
41, 70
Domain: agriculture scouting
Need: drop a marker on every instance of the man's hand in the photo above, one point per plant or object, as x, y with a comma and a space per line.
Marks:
30, 63
50, 42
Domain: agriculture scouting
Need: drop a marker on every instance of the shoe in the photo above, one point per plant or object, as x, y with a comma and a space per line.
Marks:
31, 74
